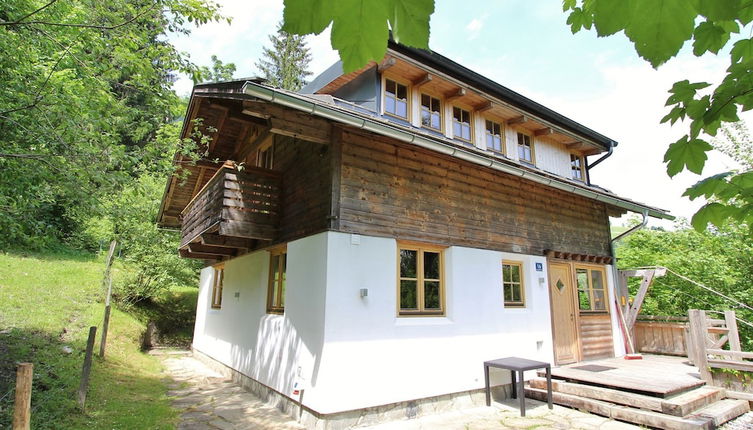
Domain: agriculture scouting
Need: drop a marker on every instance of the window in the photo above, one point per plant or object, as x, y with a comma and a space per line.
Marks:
276, 292
420, 285
494, 137
592, 293
264, 157
461, 124
395, 99
431, 112
576, 167
512, 284
525, 148
217, 278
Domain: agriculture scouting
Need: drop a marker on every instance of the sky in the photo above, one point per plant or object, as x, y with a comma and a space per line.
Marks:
526, 46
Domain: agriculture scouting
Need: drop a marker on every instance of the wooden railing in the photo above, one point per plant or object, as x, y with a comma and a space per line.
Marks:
708, 337
661, 335
243, 204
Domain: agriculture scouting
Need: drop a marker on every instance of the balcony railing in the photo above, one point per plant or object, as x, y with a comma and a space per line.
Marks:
234, 206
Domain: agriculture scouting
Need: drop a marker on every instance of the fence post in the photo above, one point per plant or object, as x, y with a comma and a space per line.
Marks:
22, 406
698, 332
733, 337
87, 367
108, 279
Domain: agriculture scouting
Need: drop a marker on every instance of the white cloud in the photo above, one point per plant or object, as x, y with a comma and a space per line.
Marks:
474, 27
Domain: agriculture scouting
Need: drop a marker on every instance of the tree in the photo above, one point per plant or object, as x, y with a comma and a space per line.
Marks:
218, 73
285, 64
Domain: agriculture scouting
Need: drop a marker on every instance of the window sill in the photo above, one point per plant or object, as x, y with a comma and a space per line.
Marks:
421, 320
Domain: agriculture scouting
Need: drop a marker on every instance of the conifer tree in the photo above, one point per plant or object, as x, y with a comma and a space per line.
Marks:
285, 64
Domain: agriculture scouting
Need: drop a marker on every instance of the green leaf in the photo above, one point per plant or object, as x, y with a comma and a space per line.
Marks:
568, 5
696, 108
709, 37
675, 114
359, 32
708, 187
307, 16
715, 213
661, 29
742, 51
579, 19
684, 91
684, 153
719, 10
409, 20
611, 16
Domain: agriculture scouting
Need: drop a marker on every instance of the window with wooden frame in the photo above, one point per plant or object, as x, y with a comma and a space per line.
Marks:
218, 275
592, 290
420, 285
396, 99
513, 287
494, 137
461, 124
577, 167
265, 156
525, 148
277, 280
431, 112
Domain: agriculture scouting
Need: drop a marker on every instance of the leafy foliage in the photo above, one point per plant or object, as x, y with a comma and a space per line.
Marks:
285, 64
361, 28
658, 30
720, 259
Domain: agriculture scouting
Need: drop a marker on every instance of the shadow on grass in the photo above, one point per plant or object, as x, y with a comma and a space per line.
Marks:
174, 314
54, 255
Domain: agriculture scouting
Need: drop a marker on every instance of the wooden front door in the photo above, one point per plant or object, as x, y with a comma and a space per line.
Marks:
564, 326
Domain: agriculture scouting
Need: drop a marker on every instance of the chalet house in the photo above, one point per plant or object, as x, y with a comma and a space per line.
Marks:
372, 239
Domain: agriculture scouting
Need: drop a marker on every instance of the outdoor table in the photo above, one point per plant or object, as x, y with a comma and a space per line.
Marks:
516, 364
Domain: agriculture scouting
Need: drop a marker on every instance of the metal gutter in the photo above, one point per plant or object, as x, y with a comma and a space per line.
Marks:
298, 103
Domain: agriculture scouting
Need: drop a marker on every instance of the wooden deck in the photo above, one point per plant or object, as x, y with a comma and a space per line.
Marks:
655, 375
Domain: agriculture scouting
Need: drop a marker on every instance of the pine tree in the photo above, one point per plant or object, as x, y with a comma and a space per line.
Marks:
285, 64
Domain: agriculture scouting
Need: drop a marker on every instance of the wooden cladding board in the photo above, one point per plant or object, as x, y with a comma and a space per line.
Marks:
395, 190
661, 338
596, 336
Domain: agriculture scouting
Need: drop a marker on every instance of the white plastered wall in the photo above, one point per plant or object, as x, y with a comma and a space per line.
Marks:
372, 357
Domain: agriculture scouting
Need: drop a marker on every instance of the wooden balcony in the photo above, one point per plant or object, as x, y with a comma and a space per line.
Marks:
232, 210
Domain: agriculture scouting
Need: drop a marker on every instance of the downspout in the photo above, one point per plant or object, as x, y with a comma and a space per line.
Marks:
612, 144
629, 347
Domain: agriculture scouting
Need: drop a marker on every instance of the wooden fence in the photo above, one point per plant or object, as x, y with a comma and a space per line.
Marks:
661, 335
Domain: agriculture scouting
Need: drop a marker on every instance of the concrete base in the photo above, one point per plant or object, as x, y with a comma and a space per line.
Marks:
314, 420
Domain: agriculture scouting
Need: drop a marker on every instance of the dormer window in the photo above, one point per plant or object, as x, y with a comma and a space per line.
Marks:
461, 124
525, 148
576, 167
395, 99
494, 136
431, 112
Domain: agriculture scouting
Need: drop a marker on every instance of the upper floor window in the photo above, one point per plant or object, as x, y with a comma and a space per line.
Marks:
395, 99
592, 293
461, 124
218, 275
276, 292
576, 167
494, 136
431, 112
264, 156
420, 282
512, 284
525, 148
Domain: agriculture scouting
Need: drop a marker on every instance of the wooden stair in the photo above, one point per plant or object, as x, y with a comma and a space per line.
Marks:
699, 408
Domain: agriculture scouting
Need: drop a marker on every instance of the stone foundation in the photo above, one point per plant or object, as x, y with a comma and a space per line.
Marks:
314, 420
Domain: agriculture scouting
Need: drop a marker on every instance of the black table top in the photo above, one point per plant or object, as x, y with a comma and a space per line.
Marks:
516, 363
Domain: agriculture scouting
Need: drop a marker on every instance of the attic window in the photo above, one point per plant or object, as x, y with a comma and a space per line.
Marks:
395, 99
461, 124
576, 166
431, 112
494, 137
525, 148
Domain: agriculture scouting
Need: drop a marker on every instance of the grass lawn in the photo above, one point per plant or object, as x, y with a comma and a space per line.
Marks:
48, 301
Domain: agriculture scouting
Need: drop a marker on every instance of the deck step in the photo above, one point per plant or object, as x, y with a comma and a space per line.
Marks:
679, 405
724, 410
624, 413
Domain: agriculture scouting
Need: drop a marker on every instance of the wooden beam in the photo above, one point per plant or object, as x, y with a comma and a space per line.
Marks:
211, 250
289, 122
219, 126
452, 95
386, 64
184, 253
632, 315
250, 148
575, 145
543, 131
484, 107
517, 120
423, 80
199, 178
226, 241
